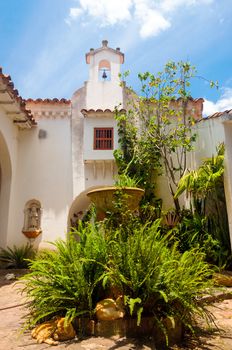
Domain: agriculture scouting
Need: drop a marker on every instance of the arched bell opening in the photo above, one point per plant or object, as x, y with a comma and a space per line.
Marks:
104, 70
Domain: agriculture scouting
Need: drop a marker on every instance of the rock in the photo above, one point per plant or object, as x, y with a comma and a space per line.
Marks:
51, 332
223, 278
10, 276
64, 332
43, 333
110, 309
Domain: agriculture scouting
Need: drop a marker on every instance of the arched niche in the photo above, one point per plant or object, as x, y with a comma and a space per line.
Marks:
32, 219
5, 189
79, 207
104, 70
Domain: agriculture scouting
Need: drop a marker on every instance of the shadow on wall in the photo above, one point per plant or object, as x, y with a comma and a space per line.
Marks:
5, 188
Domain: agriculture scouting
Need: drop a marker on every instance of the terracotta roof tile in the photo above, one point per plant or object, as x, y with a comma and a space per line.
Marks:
9, 86
217, 115
89, 111
49, 100
190, 98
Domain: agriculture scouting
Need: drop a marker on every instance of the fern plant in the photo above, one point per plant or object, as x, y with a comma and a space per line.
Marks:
154, 278
65, 281
157, 279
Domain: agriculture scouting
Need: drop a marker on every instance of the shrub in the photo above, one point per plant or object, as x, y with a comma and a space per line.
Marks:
153, 278
16, 257
123, 180
162, 281
193, 232
64, 281
205, 187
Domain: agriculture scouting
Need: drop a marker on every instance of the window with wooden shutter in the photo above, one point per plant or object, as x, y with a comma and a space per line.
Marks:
103, 138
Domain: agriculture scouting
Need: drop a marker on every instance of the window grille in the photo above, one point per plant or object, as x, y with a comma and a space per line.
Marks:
103, 138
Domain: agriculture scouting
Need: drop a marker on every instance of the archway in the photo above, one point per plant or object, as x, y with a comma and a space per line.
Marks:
5, 187
79, 207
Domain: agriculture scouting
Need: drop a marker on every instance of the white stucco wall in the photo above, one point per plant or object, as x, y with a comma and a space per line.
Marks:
44, 173
98, 122
210, 133
228, 173
77, 141
100, 173
104, 94
96, 95
94, 167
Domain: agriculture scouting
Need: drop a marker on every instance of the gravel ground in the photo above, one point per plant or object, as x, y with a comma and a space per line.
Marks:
13, 311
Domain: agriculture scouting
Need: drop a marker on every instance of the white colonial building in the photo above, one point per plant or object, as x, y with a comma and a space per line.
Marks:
52, 152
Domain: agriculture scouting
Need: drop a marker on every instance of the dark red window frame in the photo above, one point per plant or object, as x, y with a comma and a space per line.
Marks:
103, 138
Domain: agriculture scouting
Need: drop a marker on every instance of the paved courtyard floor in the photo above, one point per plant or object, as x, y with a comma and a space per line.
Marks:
12, 316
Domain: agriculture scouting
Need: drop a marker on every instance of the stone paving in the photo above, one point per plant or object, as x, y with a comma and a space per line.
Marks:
12, 315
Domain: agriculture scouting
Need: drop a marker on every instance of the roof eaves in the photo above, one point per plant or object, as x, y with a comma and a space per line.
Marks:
86, 112
227, 114
13, 93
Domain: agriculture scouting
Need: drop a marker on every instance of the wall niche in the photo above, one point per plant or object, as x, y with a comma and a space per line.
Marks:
32, 219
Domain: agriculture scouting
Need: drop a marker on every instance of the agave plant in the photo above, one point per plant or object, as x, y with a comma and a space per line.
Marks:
16, 257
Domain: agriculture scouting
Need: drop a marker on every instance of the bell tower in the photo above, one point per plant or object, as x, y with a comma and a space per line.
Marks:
103, 90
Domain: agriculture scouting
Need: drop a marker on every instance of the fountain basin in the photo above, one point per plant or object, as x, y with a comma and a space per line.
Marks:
104, 198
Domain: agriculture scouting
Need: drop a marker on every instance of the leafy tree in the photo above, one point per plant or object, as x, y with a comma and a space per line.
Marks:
155, 132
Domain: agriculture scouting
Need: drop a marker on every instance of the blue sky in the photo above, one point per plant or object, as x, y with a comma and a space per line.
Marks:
43, 42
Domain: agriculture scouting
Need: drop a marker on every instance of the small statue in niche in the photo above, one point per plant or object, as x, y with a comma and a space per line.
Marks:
32, 219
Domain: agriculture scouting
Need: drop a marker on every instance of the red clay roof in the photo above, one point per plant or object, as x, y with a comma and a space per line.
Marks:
88, 111
190, 98
9, 86
49, 100
217, 115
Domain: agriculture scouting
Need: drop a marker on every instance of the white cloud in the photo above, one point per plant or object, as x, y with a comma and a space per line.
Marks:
151, 21
224, 103
107, 12
172, 5
153, 16
75, 12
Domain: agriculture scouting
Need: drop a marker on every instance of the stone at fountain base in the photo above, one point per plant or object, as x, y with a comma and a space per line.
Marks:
128, 328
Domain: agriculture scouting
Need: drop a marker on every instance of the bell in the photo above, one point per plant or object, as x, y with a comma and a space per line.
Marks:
104, 76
